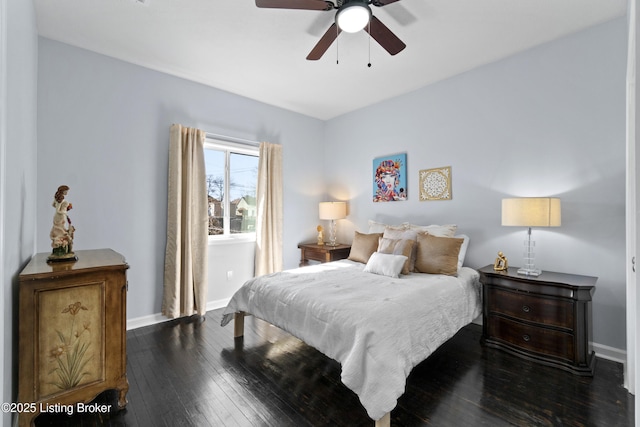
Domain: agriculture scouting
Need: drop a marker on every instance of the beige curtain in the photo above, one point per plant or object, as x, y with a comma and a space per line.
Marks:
269, 210
185, 264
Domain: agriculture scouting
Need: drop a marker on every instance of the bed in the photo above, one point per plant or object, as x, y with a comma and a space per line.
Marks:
378, 326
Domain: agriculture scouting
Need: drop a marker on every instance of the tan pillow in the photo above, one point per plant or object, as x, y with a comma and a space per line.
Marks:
437, 255
398, 247
363, 246
394, 233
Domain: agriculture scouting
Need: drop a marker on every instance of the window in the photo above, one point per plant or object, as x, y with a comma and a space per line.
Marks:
232, 174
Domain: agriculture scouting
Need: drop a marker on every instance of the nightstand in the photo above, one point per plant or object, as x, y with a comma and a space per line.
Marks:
322, 253
546, 318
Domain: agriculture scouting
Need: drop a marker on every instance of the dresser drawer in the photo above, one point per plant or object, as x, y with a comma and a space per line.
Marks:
548, 342
548, 311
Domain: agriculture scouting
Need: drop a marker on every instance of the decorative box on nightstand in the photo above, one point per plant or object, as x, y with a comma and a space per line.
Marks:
322, 253
545, 318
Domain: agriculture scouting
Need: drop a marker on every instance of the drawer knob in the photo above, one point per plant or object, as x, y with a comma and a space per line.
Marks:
526, 337
526, 308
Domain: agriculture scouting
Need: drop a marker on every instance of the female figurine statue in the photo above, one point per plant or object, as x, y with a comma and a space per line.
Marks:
62, 231
320, 235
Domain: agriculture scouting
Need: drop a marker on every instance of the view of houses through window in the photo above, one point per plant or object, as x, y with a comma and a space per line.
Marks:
232, 175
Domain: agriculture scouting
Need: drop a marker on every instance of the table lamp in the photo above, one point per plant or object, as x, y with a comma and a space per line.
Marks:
332, 211
531, 212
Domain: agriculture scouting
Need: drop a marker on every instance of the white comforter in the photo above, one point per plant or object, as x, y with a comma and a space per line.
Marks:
377, 327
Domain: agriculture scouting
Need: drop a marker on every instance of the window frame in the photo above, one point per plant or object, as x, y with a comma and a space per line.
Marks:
229, 148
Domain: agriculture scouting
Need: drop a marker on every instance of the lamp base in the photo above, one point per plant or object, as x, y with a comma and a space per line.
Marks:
529, 268
530, 271
332, 236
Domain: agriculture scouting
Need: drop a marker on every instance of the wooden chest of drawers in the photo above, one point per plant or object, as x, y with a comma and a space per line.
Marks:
72, 332
546, 318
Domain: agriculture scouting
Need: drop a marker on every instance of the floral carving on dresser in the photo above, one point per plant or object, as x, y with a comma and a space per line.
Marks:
71, 355
71, 352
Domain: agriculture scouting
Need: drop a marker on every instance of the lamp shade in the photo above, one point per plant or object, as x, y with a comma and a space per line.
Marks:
531, 212
332, 210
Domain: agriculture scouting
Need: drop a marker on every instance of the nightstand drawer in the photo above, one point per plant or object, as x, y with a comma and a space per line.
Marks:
315, 255
322, 253
548, 342
548, 311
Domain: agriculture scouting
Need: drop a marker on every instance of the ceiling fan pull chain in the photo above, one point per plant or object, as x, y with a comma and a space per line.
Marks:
337, 44
369, 33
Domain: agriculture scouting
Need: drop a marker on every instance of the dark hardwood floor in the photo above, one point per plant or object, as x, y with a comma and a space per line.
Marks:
186, 373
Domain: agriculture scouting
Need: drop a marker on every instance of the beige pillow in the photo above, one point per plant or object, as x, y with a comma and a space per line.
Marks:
394, 233
398, 247
437, 255
363, 246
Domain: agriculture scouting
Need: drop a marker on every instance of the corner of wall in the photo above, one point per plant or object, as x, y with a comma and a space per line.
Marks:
6, 389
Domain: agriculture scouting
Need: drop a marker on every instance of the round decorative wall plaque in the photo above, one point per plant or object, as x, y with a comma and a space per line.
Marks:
435, 184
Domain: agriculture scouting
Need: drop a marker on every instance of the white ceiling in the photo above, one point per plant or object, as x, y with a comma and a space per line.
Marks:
260, 53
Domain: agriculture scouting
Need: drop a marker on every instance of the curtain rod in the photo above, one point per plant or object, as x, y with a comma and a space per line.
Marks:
233, 139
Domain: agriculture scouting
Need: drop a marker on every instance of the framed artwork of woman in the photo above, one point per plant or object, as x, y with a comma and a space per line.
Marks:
390, 178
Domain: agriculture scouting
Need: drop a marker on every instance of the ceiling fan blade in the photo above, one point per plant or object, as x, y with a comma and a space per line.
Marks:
325, 41
296, 4
383, 35
380, 3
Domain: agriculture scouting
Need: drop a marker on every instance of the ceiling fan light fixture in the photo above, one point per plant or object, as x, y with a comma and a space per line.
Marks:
353, 16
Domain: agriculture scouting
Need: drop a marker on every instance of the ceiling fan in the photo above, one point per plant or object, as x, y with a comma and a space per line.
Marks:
351, 16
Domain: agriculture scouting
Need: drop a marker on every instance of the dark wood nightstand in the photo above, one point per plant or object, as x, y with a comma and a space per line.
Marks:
545, 318
322, 253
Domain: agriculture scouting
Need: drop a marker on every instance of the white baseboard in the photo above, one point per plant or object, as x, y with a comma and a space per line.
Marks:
143, 321
156, 318
611, 353
615, 355
221, 303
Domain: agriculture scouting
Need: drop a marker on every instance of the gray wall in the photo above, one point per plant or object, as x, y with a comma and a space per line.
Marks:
103, 129
549, 121
18, 71
546, 122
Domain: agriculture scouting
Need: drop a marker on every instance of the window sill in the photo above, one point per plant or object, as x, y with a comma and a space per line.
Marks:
231, 239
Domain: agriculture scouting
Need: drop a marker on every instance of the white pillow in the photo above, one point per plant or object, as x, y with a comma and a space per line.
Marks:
448, 230
385, 264
463, 249
378, 227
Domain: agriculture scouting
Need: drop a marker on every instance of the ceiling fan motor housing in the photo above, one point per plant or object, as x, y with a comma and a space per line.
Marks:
353, 16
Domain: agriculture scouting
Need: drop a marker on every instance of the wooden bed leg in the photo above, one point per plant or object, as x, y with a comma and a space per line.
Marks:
238, 324
385, 421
